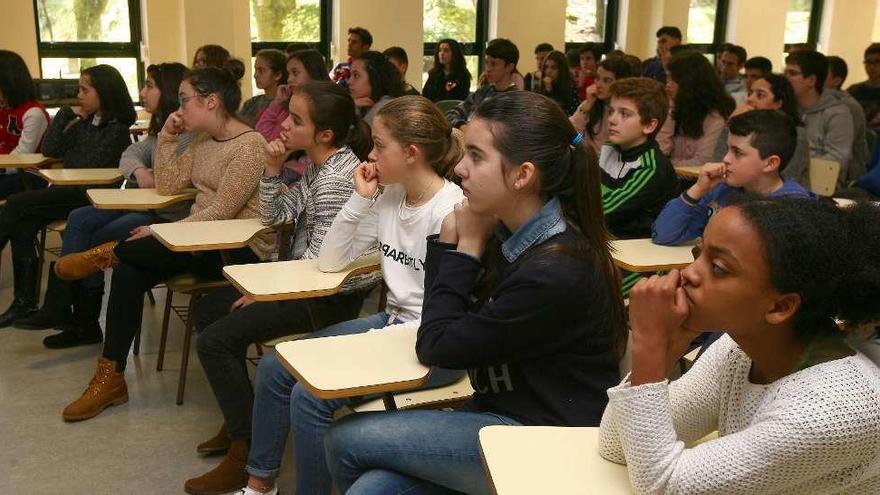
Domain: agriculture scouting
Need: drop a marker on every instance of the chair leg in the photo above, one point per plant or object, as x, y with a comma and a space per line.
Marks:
184, 356
137, 342
164, 335
41, 256
151, 297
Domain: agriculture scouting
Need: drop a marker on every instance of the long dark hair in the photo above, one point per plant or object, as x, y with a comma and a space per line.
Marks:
313, 62
167, 77
700, 92
384, 78
222, 82
828, 255
457, 66
783, 92
564, 84
331, 108
570, 173
621, 68
277, 62
15, 80
113, 94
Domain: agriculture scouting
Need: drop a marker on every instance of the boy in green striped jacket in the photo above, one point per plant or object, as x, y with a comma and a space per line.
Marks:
637, 179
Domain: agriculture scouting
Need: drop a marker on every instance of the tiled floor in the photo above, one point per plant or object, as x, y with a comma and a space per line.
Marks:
144, 447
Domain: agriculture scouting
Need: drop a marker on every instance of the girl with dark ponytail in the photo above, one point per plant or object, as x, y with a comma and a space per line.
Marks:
323, 122
543, 339
797, 410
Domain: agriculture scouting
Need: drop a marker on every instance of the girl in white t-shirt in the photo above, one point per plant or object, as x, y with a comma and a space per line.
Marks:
796, 409
401, 196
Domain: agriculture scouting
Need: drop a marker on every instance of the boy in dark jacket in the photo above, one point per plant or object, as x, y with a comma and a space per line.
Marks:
501, 59
637, 179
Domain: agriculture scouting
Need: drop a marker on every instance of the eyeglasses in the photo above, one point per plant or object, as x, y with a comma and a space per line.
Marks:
181, 99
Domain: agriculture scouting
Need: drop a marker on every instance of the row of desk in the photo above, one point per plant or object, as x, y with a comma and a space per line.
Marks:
335, 367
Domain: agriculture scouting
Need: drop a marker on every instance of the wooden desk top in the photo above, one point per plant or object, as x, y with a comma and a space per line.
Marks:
140, 127
642, 255
546, 459
135, 199
81, 176
205, 236
23, 160
374, 362
688, 172
298, 279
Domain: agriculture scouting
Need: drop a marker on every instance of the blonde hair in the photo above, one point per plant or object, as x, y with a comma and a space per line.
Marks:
416, 120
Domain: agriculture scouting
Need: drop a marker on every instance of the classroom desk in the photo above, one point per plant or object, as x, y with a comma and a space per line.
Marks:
546, 459
135, 199
643, 256
81, 176
691, 172
298, 279
207, 236
139, 128
23, 160
375, 362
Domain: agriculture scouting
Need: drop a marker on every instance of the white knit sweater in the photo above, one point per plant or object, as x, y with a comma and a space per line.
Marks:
816, 431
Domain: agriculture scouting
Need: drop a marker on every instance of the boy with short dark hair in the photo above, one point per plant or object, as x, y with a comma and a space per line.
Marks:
399, 59
359, 41
756, 68
867, 93
532, 80
637, 179
667, 37
501, 59
731, 59
837, 72
760, 145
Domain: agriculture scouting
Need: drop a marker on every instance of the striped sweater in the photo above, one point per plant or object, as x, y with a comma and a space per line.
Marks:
636, 184
313, 203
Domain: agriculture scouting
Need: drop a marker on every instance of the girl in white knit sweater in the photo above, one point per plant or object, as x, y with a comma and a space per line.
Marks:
796, 409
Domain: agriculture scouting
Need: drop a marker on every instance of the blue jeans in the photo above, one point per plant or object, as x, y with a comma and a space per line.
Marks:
280, 402
412, 452
88, 227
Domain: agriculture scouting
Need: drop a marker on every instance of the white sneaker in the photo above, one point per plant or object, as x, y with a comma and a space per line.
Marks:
250, 491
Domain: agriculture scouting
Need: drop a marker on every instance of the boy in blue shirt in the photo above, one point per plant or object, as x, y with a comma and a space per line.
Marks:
760, 144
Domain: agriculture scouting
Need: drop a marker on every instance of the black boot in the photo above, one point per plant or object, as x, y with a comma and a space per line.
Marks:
24, 280
86, 330
55, 312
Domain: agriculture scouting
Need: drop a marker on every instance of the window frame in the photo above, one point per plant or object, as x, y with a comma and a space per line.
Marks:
816, 9
326, 33
609, 41
96, 49
719, 36
470, 48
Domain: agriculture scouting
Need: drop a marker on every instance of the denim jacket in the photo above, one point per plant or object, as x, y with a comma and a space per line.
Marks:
542, 226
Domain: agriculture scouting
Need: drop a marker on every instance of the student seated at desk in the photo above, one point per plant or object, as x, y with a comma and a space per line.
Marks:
637, 179
323, 121
415, 149
223, 163
761, 144
699, 108
23, 119
591, 118
88, 226
373, 83
544, 337
93, 134
796, 409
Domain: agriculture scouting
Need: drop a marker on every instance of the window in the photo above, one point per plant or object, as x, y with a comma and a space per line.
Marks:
74, 34
462, 20
279, 23
802, 22
707, 24
590, 21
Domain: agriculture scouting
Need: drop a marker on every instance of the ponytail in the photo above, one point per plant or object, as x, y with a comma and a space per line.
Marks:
415, 120
567, 170
331, 108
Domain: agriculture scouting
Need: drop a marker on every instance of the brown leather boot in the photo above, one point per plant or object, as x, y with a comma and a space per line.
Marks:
106, 389
229, 476
218, 444
78, 266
